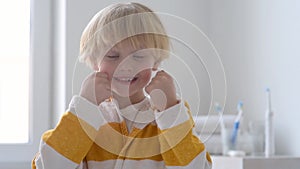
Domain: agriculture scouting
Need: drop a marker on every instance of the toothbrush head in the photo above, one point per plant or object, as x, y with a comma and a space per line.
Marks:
218, 108
240, 105
268, 90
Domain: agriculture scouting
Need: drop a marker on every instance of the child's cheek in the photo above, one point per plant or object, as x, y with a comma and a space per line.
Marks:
107, 69
147, 75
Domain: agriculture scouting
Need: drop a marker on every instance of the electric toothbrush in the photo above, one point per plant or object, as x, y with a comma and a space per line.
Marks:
269, 128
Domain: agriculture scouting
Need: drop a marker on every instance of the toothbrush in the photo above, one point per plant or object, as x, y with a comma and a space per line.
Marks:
237, 123
218, 109
269, 128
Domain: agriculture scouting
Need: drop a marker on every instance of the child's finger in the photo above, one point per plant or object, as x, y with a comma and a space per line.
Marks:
148, 88
102, 74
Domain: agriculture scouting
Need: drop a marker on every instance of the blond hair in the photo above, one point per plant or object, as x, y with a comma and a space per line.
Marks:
122, 21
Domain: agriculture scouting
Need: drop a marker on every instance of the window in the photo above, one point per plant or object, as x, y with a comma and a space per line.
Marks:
14, 71
25, 79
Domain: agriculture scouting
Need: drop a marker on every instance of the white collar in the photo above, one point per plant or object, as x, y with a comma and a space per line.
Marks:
139, 113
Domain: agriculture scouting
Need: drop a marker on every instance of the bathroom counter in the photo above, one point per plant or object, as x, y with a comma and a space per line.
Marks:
251, 162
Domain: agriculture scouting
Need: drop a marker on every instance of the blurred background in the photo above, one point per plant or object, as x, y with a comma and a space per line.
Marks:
257, 42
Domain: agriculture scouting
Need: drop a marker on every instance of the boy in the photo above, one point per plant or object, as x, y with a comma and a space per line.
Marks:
112, 123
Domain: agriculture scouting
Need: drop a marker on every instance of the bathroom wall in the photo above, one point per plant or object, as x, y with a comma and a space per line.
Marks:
259, 44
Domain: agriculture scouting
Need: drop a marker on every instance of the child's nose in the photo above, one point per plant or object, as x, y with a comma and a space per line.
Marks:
126, 65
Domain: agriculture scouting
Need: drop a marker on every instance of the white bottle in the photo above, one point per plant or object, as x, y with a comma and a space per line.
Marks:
269, 128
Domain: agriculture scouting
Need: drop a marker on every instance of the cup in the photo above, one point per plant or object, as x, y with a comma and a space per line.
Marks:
239, 144
256, 130
227, 144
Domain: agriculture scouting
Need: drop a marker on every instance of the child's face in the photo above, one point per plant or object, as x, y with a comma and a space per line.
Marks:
129, 69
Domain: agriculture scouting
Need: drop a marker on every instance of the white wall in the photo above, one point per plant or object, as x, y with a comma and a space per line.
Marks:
259, 44
257, 41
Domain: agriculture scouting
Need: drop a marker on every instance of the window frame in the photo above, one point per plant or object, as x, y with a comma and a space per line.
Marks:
20, 155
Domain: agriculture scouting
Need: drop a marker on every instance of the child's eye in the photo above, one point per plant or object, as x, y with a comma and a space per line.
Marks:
138, 57
112, 56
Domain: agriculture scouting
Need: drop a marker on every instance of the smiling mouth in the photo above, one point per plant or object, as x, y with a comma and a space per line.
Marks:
125, 79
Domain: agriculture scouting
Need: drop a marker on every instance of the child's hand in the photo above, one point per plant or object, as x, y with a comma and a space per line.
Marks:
162, 91
96, 88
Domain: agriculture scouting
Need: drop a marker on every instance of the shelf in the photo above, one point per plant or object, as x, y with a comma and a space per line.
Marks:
276, 162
